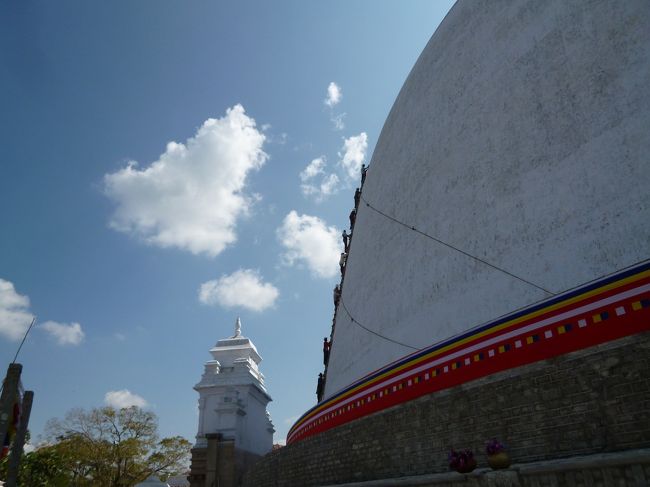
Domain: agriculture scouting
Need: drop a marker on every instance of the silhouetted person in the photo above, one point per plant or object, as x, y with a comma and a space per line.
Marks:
327, 345
319, 387
357, 197
364, 169
346, 240
337, 295
353, 218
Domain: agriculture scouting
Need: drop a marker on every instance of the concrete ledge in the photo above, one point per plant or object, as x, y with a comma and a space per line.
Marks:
434, 478
585, 462
511, 476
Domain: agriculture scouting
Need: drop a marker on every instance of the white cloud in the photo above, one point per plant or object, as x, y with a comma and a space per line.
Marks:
64, 334
308, 239
272, 138
338, 122
243, 288
334, 94
124, 399
192, 196
15, 317
354, 154
328, 184
313, 169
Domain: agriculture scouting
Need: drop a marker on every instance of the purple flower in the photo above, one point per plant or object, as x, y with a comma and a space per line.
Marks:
494, 446
459, 459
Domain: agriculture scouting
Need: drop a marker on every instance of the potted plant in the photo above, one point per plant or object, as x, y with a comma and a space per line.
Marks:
462, 461
497, 455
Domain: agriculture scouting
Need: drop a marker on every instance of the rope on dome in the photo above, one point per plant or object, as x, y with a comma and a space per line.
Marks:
373, 331
411, 227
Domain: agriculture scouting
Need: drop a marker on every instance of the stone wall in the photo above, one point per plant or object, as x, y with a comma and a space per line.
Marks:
220, 464
591, 401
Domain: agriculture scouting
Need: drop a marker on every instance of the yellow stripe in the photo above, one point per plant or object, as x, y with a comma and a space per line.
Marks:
561, 304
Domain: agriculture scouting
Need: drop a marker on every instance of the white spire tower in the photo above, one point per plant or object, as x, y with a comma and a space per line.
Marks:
237, 328
232, 396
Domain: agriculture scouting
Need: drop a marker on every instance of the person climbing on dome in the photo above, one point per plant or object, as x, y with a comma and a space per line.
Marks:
337, 295
327, 345
364, 169
346, 240
342, 261
319, 387
357, 198
353, 218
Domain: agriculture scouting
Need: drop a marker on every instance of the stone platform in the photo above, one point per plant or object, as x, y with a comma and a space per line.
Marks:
629, 468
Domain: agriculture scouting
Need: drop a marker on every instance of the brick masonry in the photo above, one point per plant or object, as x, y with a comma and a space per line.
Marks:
591, 401
221, 463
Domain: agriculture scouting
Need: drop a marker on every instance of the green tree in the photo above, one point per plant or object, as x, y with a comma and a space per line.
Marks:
44, 467
106, 447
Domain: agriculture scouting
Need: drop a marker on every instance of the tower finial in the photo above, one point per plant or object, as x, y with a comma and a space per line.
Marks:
237, 328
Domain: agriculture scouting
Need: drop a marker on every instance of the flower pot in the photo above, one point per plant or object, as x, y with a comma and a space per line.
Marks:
467, 467
499, 460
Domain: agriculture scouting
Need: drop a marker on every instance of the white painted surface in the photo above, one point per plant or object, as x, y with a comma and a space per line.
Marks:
522, 136
232, 396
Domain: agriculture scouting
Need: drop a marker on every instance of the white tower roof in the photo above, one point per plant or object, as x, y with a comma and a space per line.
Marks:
235, 348
232, 395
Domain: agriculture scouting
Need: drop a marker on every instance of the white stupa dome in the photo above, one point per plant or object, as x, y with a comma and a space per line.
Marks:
524, 148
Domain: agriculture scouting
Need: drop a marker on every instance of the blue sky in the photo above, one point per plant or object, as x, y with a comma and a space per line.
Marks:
136, 254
